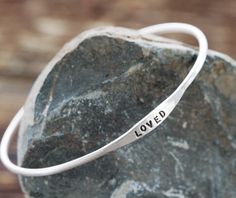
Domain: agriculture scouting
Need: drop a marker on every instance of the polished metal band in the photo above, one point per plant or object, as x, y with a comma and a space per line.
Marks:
139, 130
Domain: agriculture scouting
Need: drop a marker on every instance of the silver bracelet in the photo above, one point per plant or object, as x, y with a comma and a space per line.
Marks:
139, 130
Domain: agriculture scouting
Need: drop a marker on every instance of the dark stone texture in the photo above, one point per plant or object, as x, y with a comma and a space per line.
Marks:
101, 84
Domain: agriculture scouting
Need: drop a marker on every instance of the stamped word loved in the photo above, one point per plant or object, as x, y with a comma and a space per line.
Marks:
150, 124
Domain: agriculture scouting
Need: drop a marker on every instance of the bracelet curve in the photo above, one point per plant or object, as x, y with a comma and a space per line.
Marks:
139, 130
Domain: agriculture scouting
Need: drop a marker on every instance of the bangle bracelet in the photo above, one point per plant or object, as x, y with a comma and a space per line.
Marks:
139, 130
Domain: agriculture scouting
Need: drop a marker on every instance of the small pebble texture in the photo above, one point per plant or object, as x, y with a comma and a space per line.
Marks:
99, 86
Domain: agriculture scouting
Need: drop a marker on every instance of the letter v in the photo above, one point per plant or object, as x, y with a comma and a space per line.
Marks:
149, 123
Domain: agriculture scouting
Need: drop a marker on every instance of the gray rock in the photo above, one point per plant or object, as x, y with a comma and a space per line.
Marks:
102, 83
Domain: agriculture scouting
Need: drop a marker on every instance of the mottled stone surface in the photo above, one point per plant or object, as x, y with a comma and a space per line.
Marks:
101, 84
